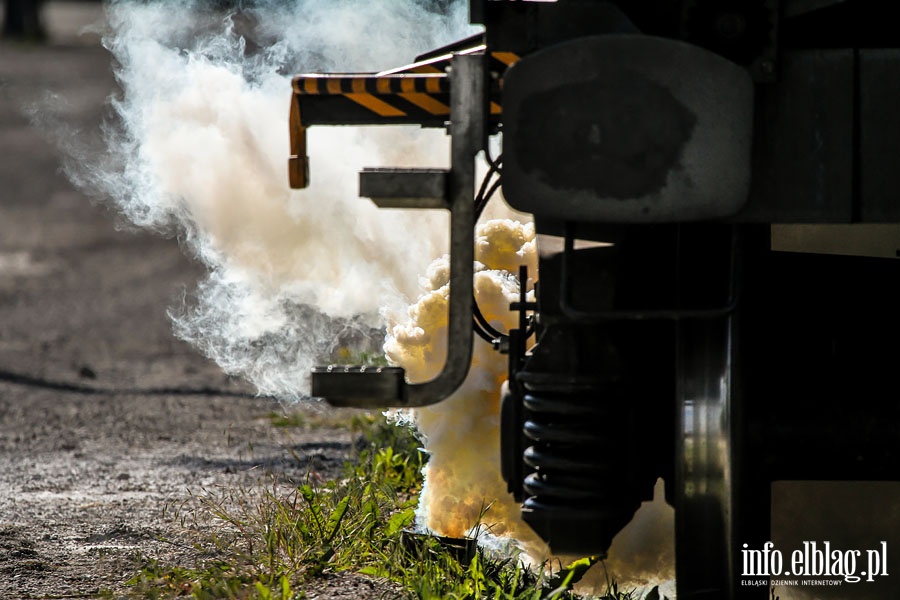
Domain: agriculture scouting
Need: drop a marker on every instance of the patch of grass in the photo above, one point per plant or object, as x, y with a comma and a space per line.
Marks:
387, 453
217, 580
269, 545
292, 419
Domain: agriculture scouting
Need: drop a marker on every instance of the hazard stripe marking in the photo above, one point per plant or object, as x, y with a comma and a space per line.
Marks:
377, 106
426, 102
430, 83
310, 86
432, 86
422, 88
383, 85
507, 58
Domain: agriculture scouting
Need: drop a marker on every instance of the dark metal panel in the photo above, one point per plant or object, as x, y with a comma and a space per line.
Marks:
803, 141
405, 188
880, 134
745, 33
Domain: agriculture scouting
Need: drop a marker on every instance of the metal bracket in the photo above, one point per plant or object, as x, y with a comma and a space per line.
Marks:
405, 188
350, 386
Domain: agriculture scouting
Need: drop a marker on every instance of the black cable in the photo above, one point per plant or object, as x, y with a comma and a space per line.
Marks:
479, 324
76, 388
483, 323
480, 199
479, 207
482, 333
490, 159
480, 203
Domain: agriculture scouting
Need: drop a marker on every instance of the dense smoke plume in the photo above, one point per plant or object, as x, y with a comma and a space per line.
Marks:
463, 485
198, 150
462, 433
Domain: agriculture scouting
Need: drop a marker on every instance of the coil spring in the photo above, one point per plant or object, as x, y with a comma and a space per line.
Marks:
573, 429
568, 448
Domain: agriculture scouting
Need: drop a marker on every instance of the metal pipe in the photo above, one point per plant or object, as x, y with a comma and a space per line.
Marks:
467, 131
379, 387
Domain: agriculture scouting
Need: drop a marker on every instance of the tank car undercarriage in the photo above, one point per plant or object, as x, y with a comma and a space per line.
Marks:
665, 149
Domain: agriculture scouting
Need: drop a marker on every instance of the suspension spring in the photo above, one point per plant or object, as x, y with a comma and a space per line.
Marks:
575, 447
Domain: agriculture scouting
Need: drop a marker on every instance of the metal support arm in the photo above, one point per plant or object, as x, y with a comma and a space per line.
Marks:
367, 387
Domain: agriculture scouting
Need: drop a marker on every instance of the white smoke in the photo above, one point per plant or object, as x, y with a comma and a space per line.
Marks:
199, 147
198, 150
462, 433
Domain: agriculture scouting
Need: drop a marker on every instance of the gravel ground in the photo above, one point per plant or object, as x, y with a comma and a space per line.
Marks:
105, 418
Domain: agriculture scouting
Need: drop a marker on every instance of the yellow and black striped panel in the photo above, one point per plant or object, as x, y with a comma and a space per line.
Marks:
425, 83
416, 94
498, 63
373, 99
